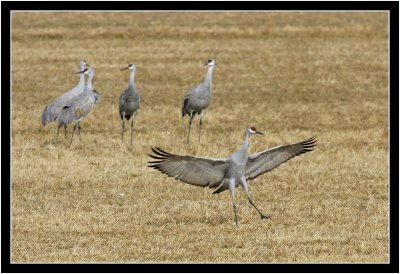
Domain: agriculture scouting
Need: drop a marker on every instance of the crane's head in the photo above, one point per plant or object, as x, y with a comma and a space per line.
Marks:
90, 71
83, 64
210, 63
131, 67
253, 130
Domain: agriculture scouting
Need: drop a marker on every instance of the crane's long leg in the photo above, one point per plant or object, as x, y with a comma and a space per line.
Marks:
133, 118
243, 183
190, 125
65, 130
73, 132
201, 122
232, 189
123, 126
58, 130
79, 128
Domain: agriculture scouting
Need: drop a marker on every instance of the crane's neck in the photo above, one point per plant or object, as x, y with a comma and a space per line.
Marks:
89, 85
246, 141
81, 83
131, 80
208, 79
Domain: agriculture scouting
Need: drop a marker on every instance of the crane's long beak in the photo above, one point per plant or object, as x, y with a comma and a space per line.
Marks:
124, 68
259, 132
83, 71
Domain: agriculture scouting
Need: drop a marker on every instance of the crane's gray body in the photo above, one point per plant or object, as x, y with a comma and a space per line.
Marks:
228, 173
52, 111
235, 168
80, 106
129, 101
199, 98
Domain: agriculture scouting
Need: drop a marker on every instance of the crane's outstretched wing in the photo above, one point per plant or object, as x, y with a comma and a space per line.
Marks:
267, 160
198, 171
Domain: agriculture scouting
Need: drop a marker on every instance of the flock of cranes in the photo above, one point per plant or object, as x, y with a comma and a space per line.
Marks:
218, 173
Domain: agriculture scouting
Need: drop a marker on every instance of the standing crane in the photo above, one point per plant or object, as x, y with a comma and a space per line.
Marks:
52, 111
129, 101
198, 98
228, 173
78, 108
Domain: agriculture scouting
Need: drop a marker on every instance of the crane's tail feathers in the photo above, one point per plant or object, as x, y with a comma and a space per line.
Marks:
48, 119
49, 114
185, 101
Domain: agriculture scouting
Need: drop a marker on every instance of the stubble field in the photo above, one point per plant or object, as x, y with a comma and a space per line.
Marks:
292, 75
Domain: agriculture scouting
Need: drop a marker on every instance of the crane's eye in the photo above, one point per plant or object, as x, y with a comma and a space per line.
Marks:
209, 61
253, 129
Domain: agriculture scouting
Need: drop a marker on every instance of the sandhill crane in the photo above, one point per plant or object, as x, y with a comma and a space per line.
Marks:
198, 98
52, 110
129, 101
79, 107
228, 173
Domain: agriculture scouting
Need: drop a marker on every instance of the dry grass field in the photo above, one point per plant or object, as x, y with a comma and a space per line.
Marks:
293, 75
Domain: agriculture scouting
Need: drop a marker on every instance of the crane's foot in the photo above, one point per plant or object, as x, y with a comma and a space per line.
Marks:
265, 217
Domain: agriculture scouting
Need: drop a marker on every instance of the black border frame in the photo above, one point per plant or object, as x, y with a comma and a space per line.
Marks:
391, 6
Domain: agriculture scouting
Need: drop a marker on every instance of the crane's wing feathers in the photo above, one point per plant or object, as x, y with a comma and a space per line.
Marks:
50, 113
267, 160
77, 108
199, 171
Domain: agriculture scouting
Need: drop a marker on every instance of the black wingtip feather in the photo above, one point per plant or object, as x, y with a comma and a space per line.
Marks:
155, 162
309, 144
161, 153
160, 156
157, 157
154, 150
164, 152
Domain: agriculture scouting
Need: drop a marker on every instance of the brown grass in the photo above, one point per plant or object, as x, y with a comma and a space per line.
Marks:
293, 75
